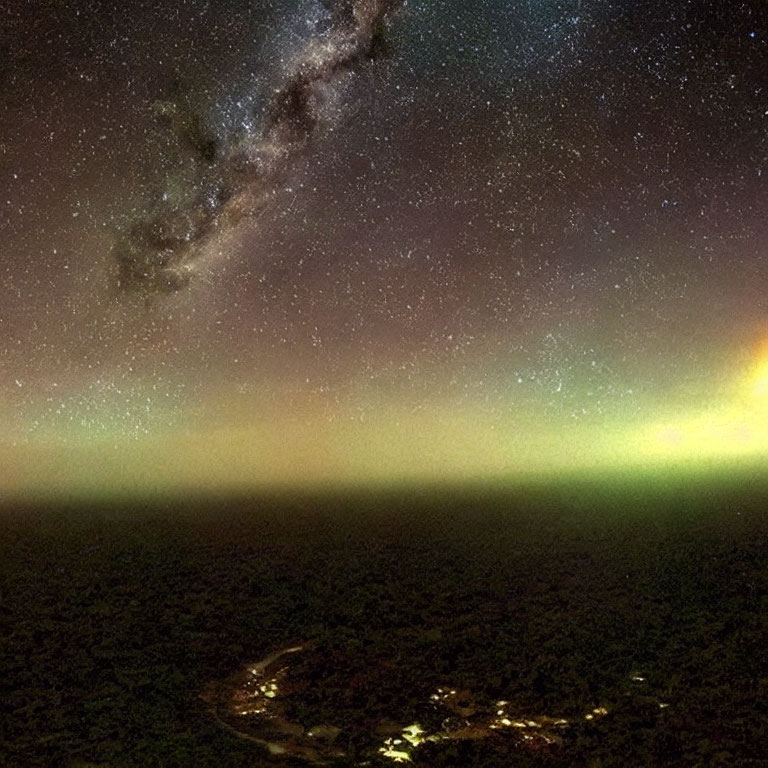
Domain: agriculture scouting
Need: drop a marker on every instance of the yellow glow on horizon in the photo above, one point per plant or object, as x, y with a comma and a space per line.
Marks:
389, 441
728, 433
758, 383
443, 443
737, 428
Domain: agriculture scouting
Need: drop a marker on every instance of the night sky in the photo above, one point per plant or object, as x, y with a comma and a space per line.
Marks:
248, 242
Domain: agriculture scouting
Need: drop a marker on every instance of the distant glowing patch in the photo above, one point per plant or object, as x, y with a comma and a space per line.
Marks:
414, 734
393, 750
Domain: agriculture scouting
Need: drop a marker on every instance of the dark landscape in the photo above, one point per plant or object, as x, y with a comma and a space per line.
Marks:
643, 600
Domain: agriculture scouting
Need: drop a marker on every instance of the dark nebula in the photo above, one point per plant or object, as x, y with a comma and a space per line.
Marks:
235, 175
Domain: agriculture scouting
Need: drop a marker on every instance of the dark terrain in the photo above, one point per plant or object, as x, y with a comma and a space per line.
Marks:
115, 617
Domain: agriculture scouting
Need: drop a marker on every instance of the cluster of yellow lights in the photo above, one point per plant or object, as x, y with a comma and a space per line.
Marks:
530, 728
254, 695
397, 748
252, 698
468, 719
442, 694
540, 729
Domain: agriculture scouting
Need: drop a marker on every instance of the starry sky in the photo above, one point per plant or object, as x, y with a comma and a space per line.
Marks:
258, 242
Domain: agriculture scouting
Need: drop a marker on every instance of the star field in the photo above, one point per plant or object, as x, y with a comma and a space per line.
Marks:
299, 241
